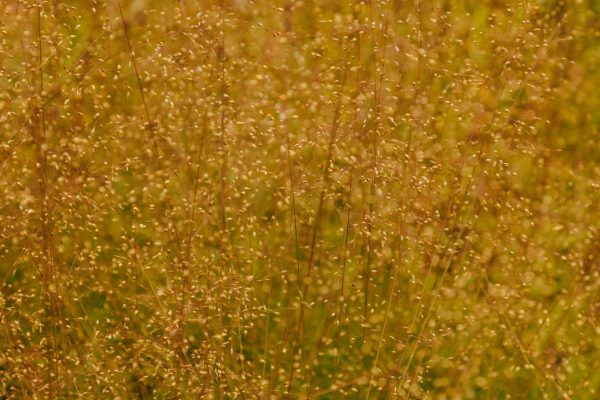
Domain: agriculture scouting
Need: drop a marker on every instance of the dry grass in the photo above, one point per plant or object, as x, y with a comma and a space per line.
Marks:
299, 199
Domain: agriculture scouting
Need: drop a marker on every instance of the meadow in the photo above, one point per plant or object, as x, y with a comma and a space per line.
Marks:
299, 199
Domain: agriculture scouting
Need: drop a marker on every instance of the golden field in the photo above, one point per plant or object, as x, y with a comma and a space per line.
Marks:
299, 199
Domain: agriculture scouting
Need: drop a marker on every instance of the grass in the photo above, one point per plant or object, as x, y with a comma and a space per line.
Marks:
299, 199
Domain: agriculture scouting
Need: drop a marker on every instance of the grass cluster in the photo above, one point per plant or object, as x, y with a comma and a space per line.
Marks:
297, 199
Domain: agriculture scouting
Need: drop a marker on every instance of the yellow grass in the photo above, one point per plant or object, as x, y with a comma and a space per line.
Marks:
299, 199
